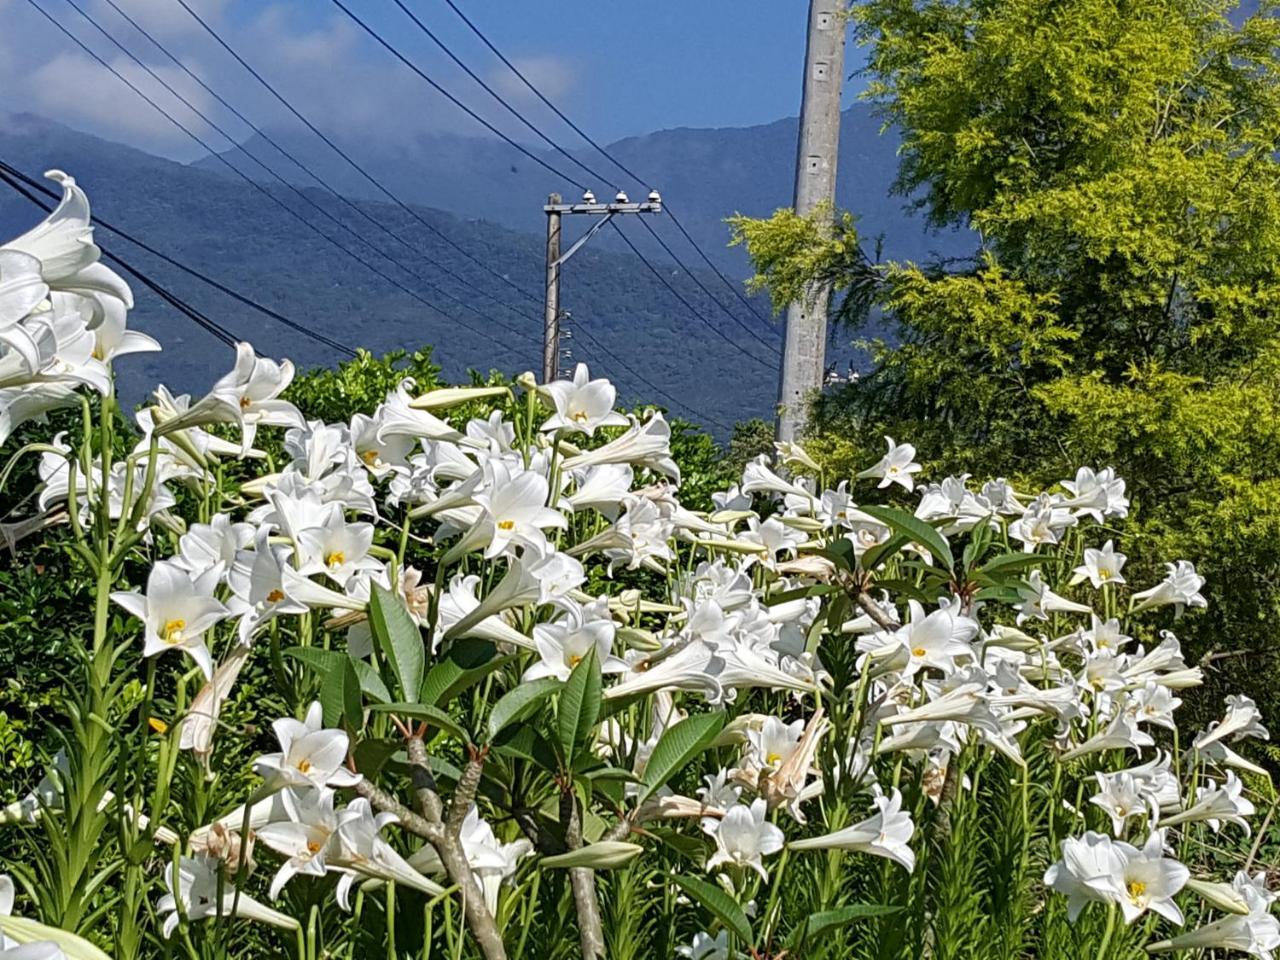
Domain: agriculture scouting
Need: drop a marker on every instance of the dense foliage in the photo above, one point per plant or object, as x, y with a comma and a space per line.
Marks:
1117, 165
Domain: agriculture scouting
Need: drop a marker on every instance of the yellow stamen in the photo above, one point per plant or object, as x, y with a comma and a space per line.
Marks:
1136, 889
574, 659
304, 765
370, 457
506, 524
335, 559
172, 632
579, 417
158, 725
275, 596
313, 847
245, 403
772, 758
919, 652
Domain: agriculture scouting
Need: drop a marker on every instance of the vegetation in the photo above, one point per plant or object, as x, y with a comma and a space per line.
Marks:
1116, 164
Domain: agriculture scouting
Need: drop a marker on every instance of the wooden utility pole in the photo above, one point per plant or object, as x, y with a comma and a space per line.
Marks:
604, 212
551, 314
804, 350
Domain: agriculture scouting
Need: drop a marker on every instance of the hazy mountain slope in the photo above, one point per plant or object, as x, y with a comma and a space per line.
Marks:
705, 174
235, 233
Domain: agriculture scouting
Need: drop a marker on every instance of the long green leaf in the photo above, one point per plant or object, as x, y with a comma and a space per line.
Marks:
724, 907
399, 639
467, 662
579, 703
820, 923
519, 703
324, 662
340, 696
916, 530
678, 745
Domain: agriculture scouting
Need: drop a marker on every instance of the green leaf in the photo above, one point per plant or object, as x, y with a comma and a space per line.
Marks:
433, 715
840, 552
679, 744
324, 662
1015, 561
340, 696
517, 704
799, 593
399, 639
820, 923
724, 907
915, 530
579, 703
525, 743
875, 556
468, 662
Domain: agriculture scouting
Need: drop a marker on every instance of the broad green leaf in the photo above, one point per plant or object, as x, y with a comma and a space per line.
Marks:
605, 855
1010, 562
820, 923
423, 711
579, 703
679, 744
467, 662
914, 529
340, 696
724, 907
525, 743
399, 639
875, 556
517, 704
799, 593
840, 552
323, 662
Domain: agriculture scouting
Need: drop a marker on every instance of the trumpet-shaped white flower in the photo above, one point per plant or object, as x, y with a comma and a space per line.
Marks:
202, 893
492, 862
1087, 872
252, 389
1038, 601
310, 755
1043, 523
706, 947
515, 510
1098, 494
1121, 796
646, 444
1181, 588
336, 548
257, 586
896, 466
887, 833
582, 405
1101, 567
1242, 720
1218, 804
176, 611
744, 838
208, 545
1148, 880
1256, 933
564, 643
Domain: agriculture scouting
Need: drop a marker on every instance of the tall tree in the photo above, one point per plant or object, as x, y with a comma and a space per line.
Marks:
1116, 162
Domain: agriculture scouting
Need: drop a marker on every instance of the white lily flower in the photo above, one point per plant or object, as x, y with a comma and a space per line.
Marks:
582, 405
306, 838
887, 833
1098, 494
206, 545
257, 585
1242, 719
1217, 804
706, 947
492, 862
1100, 567
743, 838
1256, 932
645, 444
201, 721
203, 894
1038, 601
459, 602
361, 852
337, 549
310, 755
515, 510
1043, 523
253, 389
896, 466
1121, 796
1087, 872
562, 644
1181, 588
1148, 880
1122, 733
176, 611
112, 338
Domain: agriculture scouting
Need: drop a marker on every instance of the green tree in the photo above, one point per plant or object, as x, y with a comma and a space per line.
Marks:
1116, 163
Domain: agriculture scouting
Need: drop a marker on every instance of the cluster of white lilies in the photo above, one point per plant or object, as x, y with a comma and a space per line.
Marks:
529, 514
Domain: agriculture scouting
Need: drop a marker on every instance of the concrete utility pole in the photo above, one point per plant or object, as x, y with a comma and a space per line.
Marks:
804, 351
551, 312
604, 212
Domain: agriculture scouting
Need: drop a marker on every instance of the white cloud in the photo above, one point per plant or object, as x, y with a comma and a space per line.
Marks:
79, 91
552, 75
165, 21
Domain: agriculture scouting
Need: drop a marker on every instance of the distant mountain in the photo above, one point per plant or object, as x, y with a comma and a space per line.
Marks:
251, 237
705, 174
246, 238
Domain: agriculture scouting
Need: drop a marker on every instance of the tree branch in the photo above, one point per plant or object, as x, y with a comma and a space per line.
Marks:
583, 882
874, 611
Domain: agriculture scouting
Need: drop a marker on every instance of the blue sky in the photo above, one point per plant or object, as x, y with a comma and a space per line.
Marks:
619, 68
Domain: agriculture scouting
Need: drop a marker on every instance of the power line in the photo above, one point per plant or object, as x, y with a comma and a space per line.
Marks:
190, 271
211, 326
688, 306
604, 152
302, 166
497, 96
701, 286
377, 184
633, 373
253, 183
289, 186
451, 98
